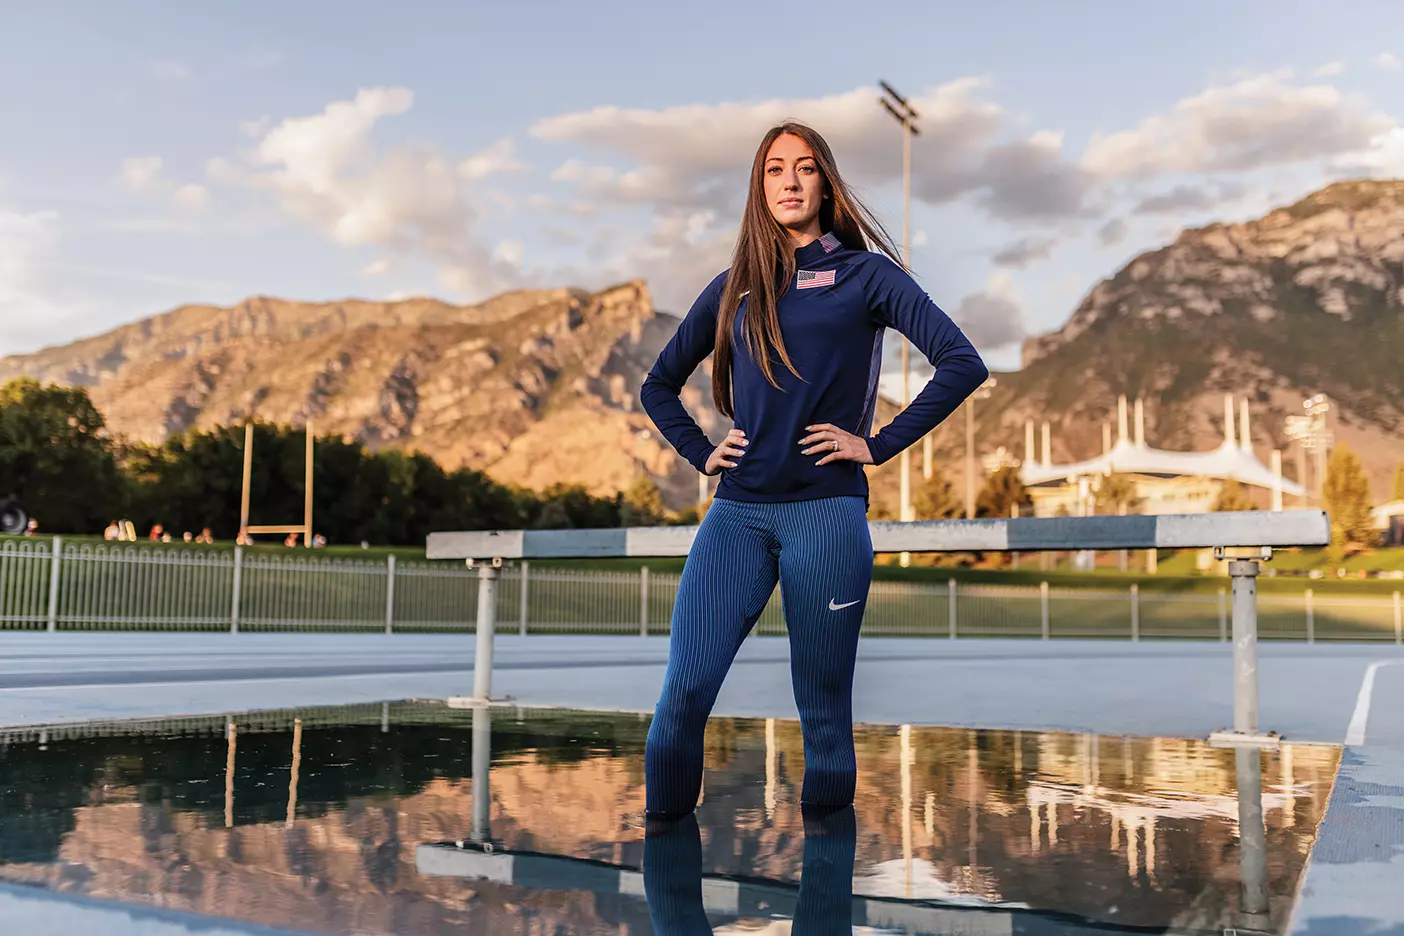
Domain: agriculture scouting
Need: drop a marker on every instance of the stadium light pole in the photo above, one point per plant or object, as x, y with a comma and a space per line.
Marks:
1298, 430
1317, 407
981, 393
906, 115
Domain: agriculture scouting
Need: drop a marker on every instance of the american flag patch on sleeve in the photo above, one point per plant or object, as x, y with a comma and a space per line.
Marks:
808, 279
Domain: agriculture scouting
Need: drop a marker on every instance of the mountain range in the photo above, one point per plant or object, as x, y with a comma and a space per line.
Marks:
541, 386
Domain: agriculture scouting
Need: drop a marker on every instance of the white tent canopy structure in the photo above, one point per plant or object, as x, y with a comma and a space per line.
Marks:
1231, 460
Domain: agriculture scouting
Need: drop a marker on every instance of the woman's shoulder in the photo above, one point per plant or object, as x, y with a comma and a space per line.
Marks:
713, 290
873, 261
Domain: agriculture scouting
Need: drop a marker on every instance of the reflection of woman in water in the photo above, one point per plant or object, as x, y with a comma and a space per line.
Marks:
672, 875
795, 330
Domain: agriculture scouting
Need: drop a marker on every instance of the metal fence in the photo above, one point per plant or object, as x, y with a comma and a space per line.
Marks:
59, 586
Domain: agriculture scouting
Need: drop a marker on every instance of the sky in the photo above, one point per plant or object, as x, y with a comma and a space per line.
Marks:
154, 154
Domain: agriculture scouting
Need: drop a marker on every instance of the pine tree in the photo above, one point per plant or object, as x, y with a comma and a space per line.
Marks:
1002, 491
1233, 497
1347, 495
935, 499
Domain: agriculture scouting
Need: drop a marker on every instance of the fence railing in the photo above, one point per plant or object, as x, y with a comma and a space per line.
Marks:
122, 587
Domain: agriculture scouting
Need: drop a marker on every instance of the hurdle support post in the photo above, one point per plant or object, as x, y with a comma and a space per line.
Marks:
1243, 574
485, 625
1252, 839
482, 769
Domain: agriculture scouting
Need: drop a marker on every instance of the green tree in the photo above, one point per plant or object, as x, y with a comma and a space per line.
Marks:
1002, 491
691, 515
1117, 494
194, 481
570, 506
1232, 496
643, 502
1346, 491
57, 458
1397, 493
935, 499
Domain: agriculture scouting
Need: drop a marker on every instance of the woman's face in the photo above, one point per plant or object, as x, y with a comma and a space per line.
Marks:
794, 186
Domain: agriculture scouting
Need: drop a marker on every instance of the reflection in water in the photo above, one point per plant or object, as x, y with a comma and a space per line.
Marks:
673, 878
381, 819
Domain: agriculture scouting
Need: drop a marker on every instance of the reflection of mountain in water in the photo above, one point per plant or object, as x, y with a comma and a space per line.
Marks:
1052, 821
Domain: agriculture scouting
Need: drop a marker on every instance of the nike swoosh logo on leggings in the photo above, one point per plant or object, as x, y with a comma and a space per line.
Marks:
840, 607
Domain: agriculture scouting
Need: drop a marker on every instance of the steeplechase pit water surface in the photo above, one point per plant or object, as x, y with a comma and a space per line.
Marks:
371, 819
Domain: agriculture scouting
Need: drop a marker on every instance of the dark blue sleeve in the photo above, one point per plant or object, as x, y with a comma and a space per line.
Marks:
896, 301
660, 394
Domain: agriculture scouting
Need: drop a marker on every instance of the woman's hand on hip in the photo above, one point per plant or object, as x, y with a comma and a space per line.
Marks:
733, 446
837, 444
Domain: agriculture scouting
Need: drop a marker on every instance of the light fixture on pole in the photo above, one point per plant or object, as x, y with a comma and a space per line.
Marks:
1311, 434
897, 106
1318, 408
981, 393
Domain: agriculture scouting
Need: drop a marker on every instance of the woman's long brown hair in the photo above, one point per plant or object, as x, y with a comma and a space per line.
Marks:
763, 264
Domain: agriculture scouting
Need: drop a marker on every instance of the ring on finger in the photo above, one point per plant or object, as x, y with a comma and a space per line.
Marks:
836, 445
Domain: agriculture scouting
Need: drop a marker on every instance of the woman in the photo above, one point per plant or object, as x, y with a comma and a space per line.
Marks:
795, 331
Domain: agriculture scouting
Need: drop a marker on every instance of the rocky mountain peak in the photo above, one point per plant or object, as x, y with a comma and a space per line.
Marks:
535, 386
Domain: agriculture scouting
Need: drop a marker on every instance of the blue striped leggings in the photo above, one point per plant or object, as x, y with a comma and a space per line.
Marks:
822, 556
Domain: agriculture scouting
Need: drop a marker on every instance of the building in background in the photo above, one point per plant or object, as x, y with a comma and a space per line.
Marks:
1165, 482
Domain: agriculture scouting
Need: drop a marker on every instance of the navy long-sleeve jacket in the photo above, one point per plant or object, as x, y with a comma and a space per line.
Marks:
832, 319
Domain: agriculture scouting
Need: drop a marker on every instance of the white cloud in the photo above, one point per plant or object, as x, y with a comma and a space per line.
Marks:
1024, 252
27, 242
509, 252
255, 128
699, 155
1188, 199
378, 267
1030, 180
499, 157
992, 318
311, 153
1257, 122
1113, 232
1388, 61
141, 173
573, 170
225, 171
545, 204
191, 198
167, 70
689, 164
1384, 156
326, 172
1330, 68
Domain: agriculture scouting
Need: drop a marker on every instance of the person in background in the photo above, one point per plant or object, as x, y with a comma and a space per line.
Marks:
113, 531
156, 531
32, 527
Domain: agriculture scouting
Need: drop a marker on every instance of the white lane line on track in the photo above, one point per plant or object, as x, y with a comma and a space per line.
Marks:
235, 679
1355, 733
